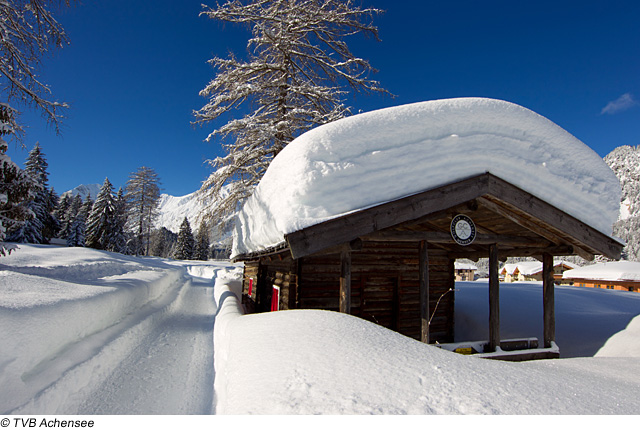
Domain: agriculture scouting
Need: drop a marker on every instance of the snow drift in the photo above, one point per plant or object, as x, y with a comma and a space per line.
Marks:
375, 157
321, 362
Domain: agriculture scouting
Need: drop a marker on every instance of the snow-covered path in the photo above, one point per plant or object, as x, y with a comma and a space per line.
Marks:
171, 370
92, 332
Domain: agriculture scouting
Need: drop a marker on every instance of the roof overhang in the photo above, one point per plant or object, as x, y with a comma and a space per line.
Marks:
517, 221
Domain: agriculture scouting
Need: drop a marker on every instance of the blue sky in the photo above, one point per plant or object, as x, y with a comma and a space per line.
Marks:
134, 68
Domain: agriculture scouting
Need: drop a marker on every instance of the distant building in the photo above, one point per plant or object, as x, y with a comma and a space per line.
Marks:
616, 275
465, 271
527, 271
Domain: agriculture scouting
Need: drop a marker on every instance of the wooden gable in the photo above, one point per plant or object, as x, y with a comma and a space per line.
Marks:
519, 223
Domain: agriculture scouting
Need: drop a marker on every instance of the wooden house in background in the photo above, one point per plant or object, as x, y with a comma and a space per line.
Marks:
620, 276
527, 271
465, 271
393, 264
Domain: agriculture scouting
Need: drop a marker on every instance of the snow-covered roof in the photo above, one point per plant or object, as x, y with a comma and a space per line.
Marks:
528, 268
381, 156
610, 271
464, 266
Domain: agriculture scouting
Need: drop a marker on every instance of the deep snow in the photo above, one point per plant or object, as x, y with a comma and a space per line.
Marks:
91, 332
86, 331
318, 362
380, 156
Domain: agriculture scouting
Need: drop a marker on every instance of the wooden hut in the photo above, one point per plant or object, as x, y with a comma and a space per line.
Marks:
392, 263
373, 263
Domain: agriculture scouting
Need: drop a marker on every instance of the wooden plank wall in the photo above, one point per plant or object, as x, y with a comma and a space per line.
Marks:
384, 286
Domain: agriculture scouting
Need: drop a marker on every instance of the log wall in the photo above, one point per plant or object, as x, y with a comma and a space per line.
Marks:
384, 286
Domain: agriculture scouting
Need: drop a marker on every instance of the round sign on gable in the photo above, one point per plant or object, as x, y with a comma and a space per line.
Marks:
463, 230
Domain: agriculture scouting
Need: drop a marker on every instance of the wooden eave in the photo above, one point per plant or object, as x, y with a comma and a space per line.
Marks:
518, 222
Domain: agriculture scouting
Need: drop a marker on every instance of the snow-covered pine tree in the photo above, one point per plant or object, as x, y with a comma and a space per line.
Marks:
62, 214
15, 187
77, 231
202, 242
101, 221
296, 76
27, 33
41, 225
163, 242
143, 196
52, 224
118, 241
185, 244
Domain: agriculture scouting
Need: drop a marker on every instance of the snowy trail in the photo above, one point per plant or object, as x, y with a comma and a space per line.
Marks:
170, 371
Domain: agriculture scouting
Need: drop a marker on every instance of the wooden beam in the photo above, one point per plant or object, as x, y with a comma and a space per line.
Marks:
560, 223
346, 228
494, 299
442, 237
520, 252
423, 280
354, 245
548, 290
490, 191
345, 282
488, 203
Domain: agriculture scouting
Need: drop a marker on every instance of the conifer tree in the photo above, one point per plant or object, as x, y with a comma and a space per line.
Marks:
296, 76
77, 231
62, 214
119, 236
100, 224
52, 224
202, 242
143, 196
15, 190
41, 225
185, 243
163, 242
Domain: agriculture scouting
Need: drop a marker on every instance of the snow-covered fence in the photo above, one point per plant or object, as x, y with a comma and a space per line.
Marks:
226, 293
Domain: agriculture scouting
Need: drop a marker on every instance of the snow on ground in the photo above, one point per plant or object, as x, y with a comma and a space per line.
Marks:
395, 152
318, 362
87, 331
91, 332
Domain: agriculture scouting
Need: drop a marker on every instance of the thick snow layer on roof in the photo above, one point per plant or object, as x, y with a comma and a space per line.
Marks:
610, 271
458, 265
530, 267
380, 156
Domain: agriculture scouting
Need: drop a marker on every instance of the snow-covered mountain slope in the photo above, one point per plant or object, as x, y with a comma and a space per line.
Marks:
625, 163
83, 191
172, 211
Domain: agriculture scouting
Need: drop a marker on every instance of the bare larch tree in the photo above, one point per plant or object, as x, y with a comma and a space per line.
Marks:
28, 31
143, 197
297, 73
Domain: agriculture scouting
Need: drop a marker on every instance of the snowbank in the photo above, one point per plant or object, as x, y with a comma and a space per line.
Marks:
320, 362
624, 343
59, 307
380, 156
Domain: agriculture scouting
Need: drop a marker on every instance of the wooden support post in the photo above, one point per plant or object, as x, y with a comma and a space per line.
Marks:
548, 294
494, 299
345, 282
423, 262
